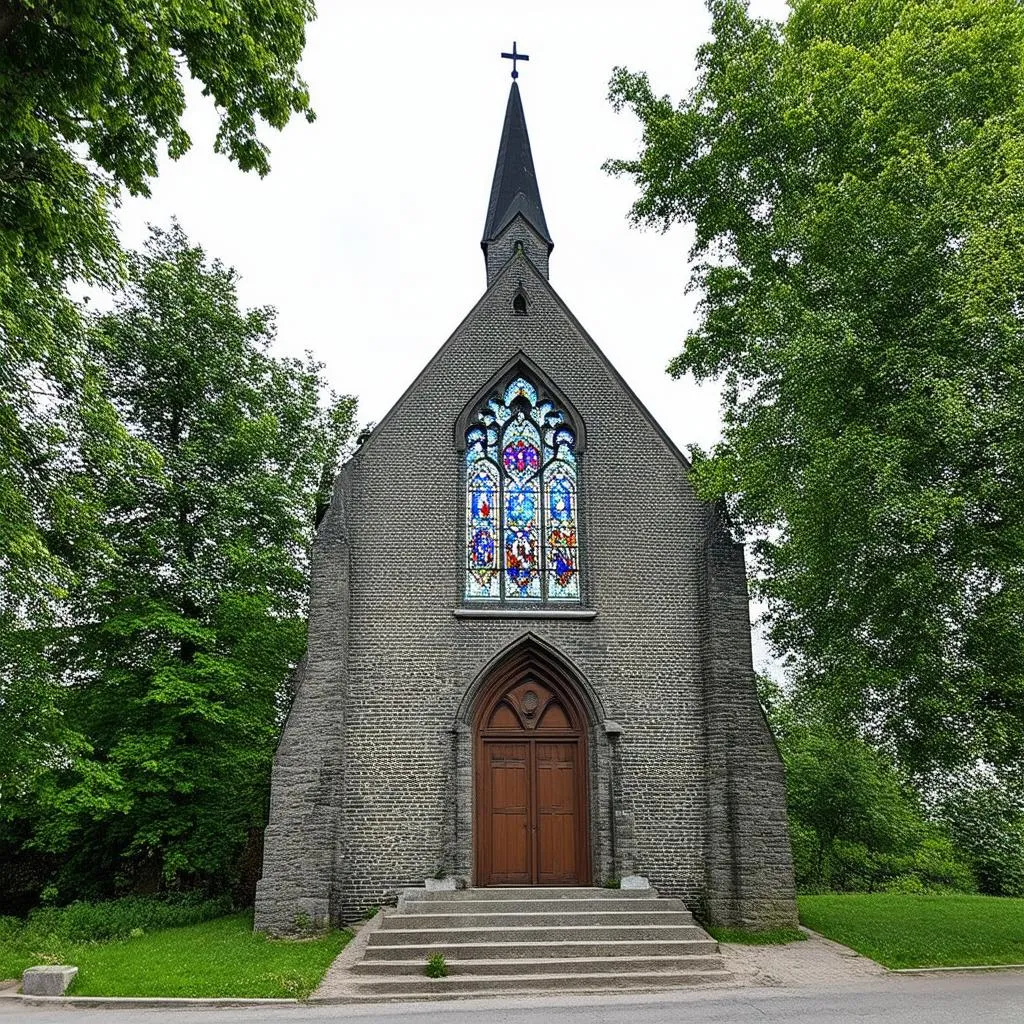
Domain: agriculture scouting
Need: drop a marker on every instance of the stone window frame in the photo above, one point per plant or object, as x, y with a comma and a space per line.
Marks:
542, 607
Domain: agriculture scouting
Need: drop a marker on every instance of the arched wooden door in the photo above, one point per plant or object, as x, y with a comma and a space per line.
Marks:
531, 791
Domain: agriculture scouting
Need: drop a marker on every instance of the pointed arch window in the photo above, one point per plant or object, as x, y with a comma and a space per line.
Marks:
522, 515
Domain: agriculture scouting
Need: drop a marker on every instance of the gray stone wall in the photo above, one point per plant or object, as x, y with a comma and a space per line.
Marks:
391, 672
517, 233
749, 861
300, 855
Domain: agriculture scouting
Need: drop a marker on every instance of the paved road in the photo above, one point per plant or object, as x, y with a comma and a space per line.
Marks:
931, 999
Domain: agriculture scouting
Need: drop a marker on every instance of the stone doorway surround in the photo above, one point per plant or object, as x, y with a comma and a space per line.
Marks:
611, 846
531, 811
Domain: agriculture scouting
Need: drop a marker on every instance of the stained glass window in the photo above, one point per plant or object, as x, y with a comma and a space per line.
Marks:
521, 500
482, 498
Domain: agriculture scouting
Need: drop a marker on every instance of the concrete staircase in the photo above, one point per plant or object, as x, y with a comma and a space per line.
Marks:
499, 941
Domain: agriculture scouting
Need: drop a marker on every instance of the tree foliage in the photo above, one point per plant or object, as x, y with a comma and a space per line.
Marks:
175, 646
88, 94
855, 821
855, 178
986, 819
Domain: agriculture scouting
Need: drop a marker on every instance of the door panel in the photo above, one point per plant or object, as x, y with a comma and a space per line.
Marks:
509, 817
530, 795
556, 813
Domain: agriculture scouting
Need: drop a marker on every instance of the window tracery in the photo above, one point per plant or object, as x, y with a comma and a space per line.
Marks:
522, 540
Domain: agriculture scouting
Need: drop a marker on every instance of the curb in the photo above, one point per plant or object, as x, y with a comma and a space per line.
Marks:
964, 967
149, 1002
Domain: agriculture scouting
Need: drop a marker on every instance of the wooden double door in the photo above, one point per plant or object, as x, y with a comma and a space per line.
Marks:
531, 813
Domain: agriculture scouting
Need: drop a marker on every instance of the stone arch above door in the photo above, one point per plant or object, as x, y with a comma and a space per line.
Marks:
531, 656
531, 784
528, 707
529, 651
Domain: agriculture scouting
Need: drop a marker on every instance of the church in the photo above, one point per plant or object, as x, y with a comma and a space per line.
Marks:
529, 655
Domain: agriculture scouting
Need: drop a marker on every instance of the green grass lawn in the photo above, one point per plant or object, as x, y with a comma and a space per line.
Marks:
921, 931
222, 957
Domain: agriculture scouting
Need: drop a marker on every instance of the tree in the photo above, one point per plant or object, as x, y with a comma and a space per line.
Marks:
179, 644
856, 824
986, 818
855, 821
88, 93
855, 178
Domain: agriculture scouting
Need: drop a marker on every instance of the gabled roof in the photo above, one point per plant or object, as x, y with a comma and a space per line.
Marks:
515, 182
517, 260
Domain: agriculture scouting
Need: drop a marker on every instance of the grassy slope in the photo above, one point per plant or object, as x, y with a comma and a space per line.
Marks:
774, 937
217, 958
921, 931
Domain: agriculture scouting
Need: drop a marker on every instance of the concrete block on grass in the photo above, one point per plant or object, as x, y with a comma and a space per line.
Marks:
51, 980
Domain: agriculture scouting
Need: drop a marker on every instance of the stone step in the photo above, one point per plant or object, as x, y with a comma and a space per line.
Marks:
412, 987
566, 919
529, 967
537, 950
541, 932
526, 940
564, 904
524, 892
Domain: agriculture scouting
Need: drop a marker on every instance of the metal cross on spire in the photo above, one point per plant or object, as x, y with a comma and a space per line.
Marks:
514, 56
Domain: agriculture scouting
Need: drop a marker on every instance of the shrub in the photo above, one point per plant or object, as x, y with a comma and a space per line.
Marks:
117, 919
856, 822
941, 865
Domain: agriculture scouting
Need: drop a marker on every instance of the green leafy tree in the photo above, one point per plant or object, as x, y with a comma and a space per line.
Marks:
855, 821
855, 824
179, 646
986, 818
89, 92
855, 179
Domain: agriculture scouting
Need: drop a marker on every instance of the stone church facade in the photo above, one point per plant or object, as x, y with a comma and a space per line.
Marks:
529, 655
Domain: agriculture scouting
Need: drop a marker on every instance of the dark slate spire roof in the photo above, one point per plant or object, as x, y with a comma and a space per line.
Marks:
515, 181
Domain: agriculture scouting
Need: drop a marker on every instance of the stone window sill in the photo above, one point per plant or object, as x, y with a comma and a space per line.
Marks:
525, 613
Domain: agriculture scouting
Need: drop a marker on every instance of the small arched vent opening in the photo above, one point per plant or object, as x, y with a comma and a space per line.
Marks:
519, 303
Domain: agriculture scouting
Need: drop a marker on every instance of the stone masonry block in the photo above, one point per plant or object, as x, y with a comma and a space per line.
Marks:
634, 882
51, 980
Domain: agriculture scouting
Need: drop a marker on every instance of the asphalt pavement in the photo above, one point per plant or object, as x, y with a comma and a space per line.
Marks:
954, 998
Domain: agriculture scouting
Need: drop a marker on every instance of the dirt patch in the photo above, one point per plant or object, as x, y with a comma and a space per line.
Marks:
816, 962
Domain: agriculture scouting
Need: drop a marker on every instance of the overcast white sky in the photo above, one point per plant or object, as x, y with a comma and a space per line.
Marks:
365, 235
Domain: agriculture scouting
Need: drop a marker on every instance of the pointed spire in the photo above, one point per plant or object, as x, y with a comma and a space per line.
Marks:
515, 182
